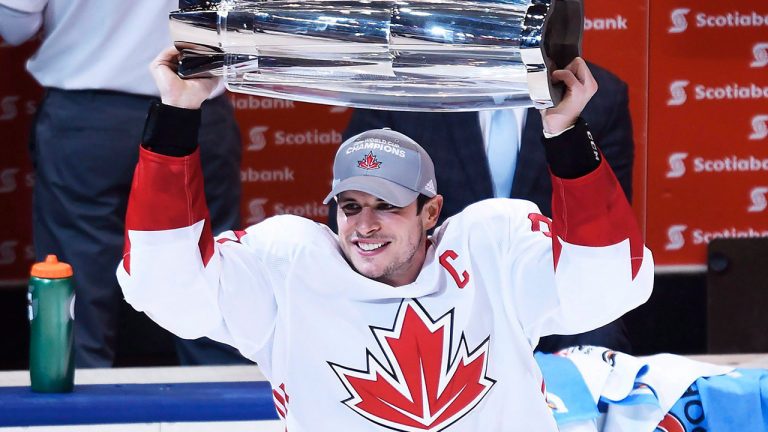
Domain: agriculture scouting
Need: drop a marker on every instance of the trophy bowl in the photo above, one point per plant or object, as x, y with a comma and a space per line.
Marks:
416, 55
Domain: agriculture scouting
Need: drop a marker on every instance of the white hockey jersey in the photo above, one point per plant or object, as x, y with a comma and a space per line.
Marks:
451, 351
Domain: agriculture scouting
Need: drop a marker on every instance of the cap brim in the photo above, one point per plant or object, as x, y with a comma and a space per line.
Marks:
386, 190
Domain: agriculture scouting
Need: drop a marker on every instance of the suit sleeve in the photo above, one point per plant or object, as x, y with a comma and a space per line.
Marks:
613, 129
588, 265
175, 271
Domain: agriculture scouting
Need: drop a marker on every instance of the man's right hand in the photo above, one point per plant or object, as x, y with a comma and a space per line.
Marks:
580, 87
174, 91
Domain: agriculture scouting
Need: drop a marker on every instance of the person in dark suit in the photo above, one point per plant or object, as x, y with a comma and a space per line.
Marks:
456, 144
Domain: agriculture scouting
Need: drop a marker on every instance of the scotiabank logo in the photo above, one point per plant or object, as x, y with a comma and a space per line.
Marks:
675, 238
8, 180
256, 138
280, 175
678, 96
310, 137
256, 211
759, 127
8, 108
253, 103
618, 22
760, 51
676, 165
701, 92
734, 19
312, 210
727, 164
759, 203
679, 20
701, 237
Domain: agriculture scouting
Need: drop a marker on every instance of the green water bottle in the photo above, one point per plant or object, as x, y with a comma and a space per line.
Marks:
51, 300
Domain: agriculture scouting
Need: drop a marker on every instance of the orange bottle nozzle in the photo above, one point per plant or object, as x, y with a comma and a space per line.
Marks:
51, 268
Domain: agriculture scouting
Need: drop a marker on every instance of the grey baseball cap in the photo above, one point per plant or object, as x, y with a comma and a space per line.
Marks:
385, 164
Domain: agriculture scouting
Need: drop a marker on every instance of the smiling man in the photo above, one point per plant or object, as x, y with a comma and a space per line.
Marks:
386, 203
384, 327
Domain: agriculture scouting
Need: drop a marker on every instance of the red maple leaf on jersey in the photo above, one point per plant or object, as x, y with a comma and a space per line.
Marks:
427, 387
369, 162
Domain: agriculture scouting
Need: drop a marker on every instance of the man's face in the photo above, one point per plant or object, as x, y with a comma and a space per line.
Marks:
381, 241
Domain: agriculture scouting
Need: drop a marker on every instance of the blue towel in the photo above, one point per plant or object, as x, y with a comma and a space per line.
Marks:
687, 414
567, 394
734, 402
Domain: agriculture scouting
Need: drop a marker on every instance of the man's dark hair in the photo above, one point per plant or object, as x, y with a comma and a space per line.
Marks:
420, 201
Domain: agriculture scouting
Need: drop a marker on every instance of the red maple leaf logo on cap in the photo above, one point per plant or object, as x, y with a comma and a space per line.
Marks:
369, 162
422, 389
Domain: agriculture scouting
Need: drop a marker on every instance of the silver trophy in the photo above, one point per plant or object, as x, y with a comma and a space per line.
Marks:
416, 55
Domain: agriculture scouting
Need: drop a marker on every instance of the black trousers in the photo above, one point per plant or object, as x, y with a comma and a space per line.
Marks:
84, 149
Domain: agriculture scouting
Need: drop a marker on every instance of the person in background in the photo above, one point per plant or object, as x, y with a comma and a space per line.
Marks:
92, 63
486, 154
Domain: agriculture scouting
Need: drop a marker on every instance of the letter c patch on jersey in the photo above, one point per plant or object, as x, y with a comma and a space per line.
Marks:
462, 281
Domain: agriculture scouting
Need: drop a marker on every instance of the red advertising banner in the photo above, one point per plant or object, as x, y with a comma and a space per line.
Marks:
616, 37
698, 91
287, 152
18, 101
708, 139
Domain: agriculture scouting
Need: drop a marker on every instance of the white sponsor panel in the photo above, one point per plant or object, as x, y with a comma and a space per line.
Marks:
676, 165
759, 127
257, 139
278, 175
760, 52
733, 91
757, 197
310, 137
8, 182
678, 234
617, 22
675, 238
681, 20
338, 109
253, 103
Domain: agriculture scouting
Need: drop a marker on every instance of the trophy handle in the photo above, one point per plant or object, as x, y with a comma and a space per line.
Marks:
550, 40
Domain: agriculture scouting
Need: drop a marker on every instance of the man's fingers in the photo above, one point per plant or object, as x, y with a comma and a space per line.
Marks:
580, 69
566, 77
169, 58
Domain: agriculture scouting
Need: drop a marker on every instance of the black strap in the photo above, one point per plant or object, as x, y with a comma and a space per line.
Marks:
171, 131
573, 153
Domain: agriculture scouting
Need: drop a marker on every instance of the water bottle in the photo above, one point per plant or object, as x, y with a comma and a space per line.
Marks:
51, 303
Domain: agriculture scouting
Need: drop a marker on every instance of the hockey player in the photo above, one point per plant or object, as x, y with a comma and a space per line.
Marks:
385, 327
